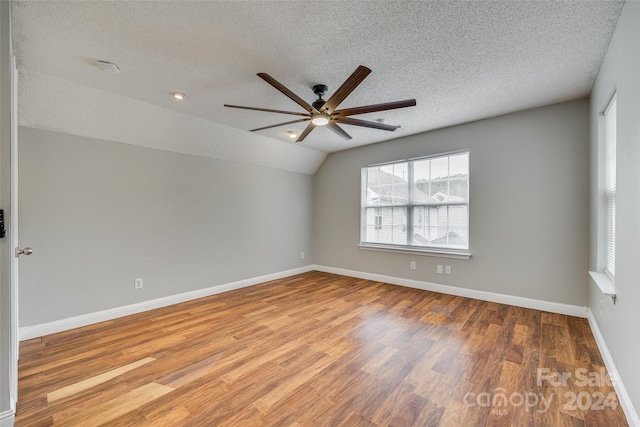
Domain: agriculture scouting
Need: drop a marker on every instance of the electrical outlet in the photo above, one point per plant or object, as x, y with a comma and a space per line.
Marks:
439, 269
447, 269
137, 283
301, 255
412, 265
601, 308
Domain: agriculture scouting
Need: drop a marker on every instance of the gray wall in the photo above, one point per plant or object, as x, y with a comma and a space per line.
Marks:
528, 205
99, 214
5, 200
620, 323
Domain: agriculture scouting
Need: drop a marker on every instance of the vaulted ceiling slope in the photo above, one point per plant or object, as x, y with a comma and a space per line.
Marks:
461, 61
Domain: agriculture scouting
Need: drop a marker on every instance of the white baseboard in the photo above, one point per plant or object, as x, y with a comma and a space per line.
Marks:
7, 418
621, 391
553, 307
35, 331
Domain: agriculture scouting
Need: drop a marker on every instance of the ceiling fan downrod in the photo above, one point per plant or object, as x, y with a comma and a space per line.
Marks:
319, 90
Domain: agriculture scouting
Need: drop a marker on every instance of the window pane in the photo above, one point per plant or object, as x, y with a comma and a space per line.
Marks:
459, 164
458, 235
444, 226
459, 178
421, 171
439, 180
439, 225
420, 236
386, 225
387, 184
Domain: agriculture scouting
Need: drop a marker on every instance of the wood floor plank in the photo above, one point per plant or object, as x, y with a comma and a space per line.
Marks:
291, 384
260, 360
93, 381
317, 350
114, 408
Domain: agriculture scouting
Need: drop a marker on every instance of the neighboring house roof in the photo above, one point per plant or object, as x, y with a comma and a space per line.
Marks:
392, 188
454, 239
441, 197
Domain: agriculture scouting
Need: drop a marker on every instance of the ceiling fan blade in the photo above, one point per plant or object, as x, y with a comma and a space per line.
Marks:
295, 98
306, 132
333, 126
268, 110
347, 87
366, 124
375, 107
281, 124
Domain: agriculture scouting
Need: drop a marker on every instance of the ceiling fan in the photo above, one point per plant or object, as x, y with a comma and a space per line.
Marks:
325, 113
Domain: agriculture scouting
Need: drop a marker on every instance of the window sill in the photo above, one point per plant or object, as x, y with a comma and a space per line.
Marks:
428, 252
605, 284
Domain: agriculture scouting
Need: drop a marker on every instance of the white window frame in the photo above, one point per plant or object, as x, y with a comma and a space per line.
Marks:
609, 202
448, 252
604, 277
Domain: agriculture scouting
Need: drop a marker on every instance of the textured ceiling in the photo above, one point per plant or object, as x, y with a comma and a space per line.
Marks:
461, 61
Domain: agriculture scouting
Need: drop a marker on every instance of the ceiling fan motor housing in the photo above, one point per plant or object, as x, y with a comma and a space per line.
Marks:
319, 90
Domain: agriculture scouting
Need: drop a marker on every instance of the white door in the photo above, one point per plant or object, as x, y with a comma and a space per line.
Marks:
13, 233
17, 251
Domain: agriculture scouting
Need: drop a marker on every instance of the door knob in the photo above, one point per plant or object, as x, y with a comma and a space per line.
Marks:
25, 251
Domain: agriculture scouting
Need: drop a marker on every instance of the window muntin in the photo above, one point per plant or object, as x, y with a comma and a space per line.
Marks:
420, 204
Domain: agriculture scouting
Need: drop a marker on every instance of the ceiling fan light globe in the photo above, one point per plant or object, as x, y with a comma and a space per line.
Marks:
320, 120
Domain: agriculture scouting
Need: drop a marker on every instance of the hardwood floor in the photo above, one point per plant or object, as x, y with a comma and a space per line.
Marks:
318, 349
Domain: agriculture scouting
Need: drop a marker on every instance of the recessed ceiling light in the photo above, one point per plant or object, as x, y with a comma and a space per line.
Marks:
292, 134
108, 67
179, 95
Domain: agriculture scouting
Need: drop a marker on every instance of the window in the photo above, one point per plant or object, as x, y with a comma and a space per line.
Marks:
604, 277
609, 202
420, 204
